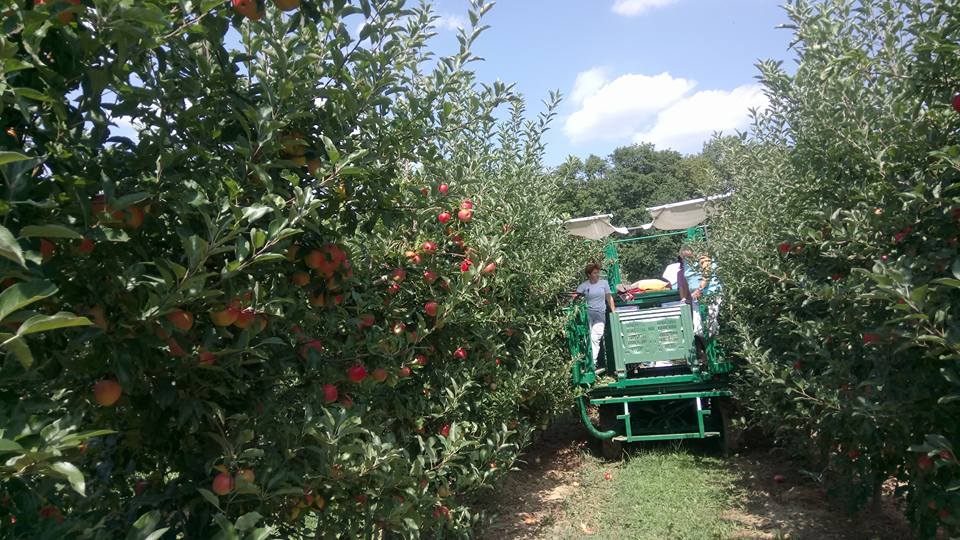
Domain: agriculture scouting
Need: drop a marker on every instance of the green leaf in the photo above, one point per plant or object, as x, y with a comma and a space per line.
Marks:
43, 323
9, 247
49, 231
260, 534
255, 212
19, 348
10, 157
30, 93
248, 521
7, 445
72, 474
127, 200
145, 528
210, 497
155, 535
24, 294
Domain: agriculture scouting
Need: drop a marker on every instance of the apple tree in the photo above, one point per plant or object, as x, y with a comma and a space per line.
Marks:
308, 291
839, 249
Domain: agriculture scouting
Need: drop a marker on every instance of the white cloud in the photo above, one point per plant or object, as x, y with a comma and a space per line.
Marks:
618, 108
588, 83
632, 8
659, 109
450, 22
686, 124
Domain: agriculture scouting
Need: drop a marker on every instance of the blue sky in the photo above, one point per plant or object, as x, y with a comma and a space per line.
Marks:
664, 71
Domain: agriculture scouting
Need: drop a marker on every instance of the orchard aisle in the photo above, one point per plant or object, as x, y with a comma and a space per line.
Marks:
565, 491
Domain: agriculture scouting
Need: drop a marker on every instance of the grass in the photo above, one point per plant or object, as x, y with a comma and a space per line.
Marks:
655, 493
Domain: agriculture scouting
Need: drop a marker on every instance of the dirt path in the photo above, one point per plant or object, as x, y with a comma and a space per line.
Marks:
564, 490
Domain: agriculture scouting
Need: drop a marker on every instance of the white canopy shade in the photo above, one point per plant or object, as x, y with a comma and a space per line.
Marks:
593, 227
684, 214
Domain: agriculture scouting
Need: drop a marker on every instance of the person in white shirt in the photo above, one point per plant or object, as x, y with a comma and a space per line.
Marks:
599, 298
671, 274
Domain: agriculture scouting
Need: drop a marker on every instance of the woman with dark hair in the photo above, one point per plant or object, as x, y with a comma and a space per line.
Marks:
599, 298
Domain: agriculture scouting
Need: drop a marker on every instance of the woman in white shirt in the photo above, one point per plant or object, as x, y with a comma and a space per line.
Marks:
599, 298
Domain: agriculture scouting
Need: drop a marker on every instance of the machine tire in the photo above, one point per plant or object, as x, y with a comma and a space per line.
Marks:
729, 434
611, 449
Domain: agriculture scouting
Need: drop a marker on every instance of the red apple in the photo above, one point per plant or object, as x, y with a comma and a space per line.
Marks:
287, 5
956, 102
853, 454
924, 462
226, 316
357, 373
398, 328
465, 215
222, 484
465, 265
247, 8
329, 393
86, 246
785, 248
403, 372
314, 259
421, 359
106, 392
134, 217
443, 188
207, 357
398, 275
429, 276
245, 475
245, 318
140, 486
467, 204
394, 288
46, 248
430, 308
488, 269
181, 320
779, 479
443, 217
607, 475
65, 17
366, 321
445, 430
460, 353
429, 247
300, 278
379, 374
870, 337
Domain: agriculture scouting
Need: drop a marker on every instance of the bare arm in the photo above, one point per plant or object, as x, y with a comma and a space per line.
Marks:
610, 303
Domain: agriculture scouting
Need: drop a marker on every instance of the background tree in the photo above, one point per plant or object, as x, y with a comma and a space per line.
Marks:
630, 180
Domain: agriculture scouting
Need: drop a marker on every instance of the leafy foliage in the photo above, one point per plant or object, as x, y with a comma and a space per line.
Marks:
839, 249
262, 360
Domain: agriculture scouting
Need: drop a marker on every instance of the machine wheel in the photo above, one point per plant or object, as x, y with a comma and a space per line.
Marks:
608, 420
611, 449
729, 434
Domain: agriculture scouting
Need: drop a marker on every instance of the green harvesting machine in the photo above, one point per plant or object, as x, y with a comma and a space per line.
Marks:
655, 379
